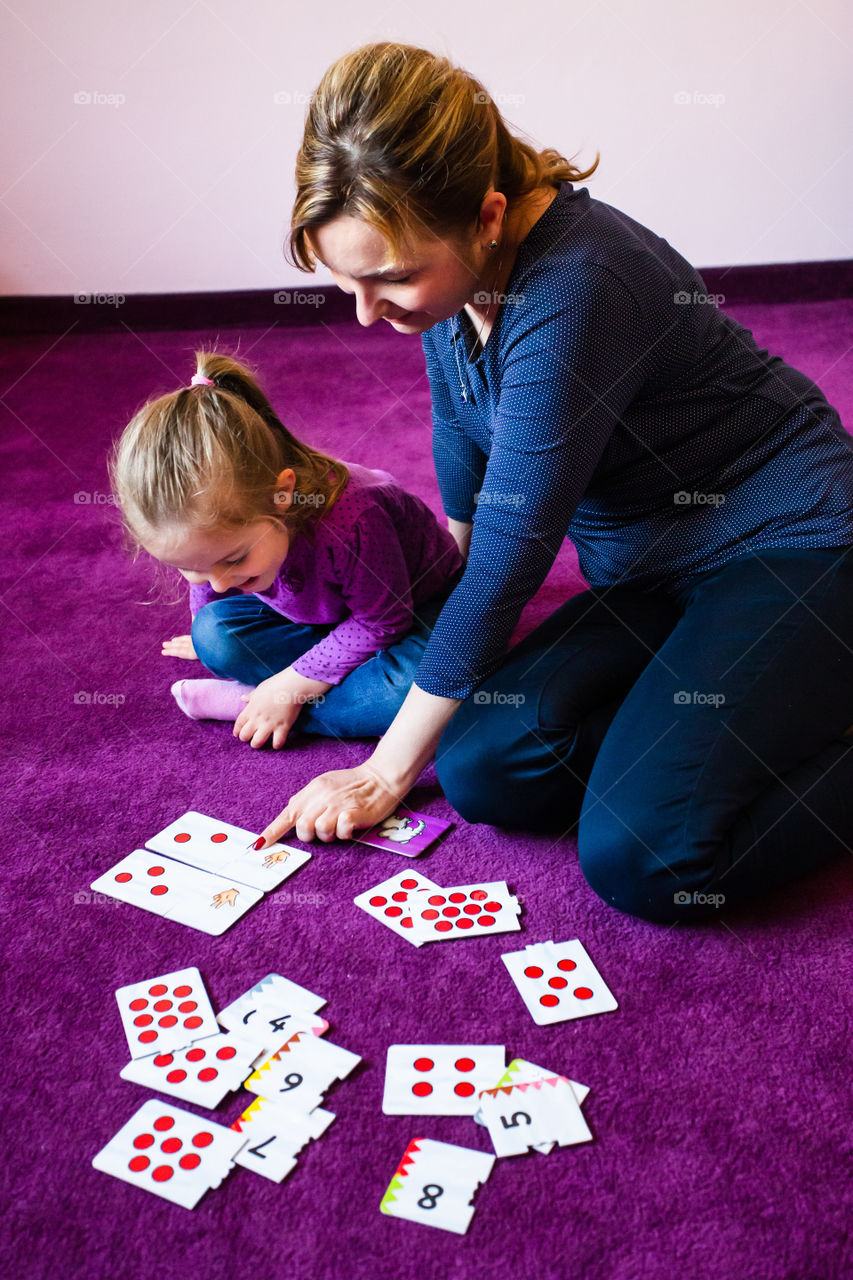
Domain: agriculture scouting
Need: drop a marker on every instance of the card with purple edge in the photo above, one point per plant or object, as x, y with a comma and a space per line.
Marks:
404, 832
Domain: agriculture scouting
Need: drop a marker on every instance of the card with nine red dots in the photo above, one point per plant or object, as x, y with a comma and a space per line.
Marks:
166, 1013
558, 981
464, 911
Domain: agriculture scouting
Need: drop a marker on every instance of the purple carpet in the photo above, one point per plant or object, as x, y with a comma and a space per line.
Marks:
719, 1094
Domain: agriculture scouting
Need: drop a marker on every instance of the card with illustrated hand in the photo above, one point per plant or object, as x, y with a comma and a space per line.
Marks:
165, 1013
403, 832
170, 1153
276, 1135
521, 1116
465, 911
225, 850
204, 1073
558, 981
439, 1079
391, 903
435, 1183
177, 892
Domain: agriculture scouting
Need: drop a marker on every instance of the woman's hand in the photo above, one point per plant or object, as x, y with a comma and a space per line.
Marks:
274, 706
335, 804
179, 647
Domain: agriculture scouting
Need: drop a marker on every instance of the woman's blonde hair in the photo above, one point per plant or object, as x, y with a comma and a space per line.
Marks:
403, 140
210, 456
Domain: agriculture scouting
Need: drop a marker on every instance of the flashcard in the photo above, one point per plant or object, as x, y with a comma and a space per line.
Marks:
439, 1079
301, 1071
224, 850
435, 1183
521, 1072
203, 1073
558, 981
265, 1012
465, 910
404, 832
276, 1135
390, 903
521, 1116
165, 1013
176, 892
170, 1152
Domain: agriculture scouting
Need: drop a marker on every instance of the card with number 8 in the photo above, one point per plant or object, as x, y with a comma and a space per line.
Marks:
435, 1183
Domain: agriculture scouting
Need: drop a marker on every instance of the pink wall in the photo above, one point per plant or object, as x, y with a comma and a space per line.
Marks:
150, 147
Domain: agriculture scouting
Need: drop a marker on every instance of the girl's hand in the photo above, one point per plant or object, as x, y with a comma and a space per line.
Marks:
335, 804
273, 708
179, 647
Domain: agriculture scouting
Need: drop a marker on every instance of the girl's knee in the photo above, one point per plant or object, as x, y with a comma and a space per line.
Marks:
213, 639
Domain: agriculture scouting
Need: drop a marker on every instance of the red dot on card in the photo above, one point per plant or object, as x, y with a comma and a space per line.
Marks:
443, 926
176, 1076
171, 1144
183, 990
142, 1141
486, 921
161, 1006
457, 897
566, 965
399, 897
464, 1064
195, 1055
182, 837
162, 1173
193, 1022
191, 1161
464, 1090
423, 1064
164, 1122
464, 923
158, 889
163, 1060
227, 1051
377, 901
558, 983
203, 1139
408, 884
159, 989
492, 906
157, 871
169, 1020
471, 909
435, 900
408, 923
533, 971
123, 877
549, 1001
450, 911
422, 1089
187, 1006
430, 914
583, 993
139, 1003
138, 1163
146, 1037
143, 1020
479, 894
208, 1073
219, 838
393, 912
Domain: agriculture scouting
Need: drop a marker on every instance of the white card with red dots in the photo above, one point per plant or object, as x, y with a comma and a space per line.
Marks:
171, 1153
224, 850
166, 1013
439, 1079
435, 1183
276, 1135
204, 1073
464, 911
177, 892
390, 903
537, 1113
558, 981
301, 1071
404, 831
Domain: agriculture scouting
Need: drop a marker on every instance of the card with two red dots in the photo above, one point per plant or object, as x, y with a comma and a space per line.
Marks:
558, 981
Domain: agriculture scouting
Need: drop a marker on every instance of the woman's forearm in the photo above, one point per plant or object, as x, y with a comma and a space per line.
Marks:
412, 738
461, 530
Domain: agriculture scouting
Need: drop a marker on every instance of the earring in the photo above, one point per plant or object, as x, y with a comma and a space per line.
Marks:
493, 244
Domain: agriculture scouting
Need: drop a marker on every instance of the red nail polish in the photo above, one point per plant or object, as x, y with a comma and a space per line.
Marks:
259, 843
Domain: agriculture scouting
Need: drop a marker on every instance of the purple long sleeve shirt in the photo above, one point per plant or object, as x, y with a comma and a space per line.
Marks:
365, 566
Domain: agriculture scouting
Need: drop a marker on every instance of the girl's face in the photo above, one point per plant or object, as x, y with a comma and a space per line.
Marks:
432, 283
247, 558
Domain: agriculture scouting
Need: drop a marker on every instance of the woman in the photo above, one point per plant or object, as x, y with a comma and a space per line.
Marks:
688, 711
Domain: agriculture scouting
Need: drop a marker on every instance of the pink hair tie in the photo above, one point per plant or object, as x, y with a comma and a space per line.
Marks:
199, 380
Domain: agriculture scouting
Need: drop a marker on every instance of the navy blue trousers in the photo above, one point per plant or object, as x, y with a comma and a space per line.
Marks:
692, 740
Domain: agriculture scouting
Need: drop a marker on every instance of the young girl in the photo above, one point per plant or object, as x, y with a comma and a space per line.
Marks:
314, 583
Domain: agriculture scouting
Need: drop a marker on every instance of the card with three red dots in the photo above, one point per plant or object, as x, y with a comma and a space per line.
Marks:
558, 981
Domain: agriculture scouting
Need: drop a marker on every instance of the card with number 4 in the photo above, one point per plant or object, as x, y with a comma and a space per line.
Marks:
558, 981
227, 851
439, 1079
266, 1012
435, 1183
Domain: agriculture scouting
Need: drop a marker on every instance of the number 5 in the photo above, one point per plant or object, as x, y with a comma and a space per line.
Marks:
516, 1116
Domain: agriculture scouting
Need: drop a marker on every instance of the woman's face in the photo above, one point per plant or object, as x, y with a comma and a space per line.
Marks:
431, 283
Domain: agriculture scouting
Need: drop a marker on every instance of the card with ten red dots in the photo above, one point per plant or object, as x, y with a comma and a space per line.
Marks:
439, 1079
171, 1153
166, 1013
558, 981
391, 903
204, 1073
464, 911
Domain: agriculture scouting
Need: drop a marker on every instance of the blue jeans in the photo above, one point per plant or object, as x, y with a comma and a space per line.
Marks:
691, 738
243, 639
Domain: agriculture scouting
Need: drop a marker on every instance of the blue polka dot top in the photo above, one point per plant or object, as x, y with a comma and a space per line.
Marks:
616, 405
